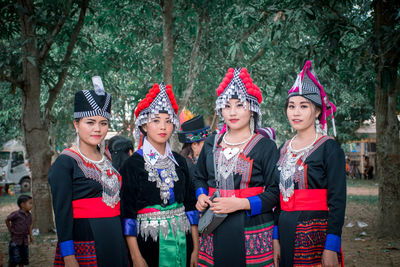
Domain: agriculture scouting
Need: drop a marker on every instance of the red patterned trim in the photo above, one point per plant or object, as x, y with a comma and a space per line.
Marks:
85, 254
240, 193
93, 208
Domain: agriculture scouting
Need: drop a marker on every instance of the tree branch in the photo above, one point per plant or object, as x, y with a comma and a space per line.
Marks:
193, 57
53, 93
52, 36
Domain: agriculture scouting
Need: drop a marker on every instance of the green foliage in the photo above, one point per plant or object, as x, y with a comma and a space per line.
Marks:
10, 113
122, 42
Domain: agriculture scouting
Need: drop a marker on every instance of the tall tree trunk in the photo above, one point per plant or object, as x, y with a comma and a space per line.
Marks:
36, 132
387, 124
168, 41
194, 64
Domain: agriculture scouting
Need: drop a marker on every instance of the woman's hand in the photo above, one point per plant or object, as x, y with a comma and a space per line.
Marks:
277, 251
70, 261
229, 204
139, 261
202, 202
330, 258
194, 259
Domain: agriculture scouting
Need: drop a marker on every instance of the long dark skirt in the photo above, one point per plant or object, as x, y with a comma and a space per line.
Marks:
98, 242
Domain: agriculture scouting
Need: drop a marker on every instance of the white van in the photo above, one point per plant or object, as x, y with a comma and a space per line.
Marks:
13, 168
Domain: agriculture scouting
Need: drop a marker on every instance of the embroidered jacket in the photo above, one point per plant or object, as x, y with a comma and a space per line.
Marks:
138, 192
323, 168
75, 181
255, 167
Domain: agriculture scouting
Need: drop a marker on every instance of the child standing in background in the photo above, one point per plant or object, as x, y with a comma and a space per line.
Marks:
19, 224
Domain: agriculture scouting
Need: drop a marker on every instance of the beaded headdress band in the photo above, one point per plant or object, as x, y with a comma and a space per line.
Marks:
308, 86
159, 99
237, 82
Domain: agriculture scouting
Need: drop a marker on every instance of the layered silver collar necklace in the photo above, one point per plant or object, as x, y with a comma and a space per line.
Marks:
289, 166
109, 180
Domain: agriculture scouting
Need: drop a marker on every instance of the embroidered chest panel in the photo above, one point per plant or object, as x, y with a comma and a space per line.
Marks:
110, 180
244, 164
300, 172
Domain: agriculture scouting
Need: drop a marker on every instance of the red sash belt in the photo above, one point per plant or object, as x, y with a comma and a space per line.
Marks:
306, 199
93, 208
240, 193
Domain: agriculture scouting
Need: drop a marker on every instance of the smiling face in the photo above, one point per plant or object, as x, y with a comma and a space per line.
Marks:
159, 129
301, 113
235, 115
92, 130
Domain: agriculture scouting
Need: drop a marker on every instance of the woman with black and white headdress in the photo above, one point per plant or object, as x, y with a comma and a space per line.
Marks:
85, 189
312, 181
157, 210
240, 163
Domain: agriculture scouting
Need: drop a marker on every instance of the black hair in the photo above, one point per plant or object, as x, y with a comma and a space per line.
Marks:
187, 150
23, 199
316, 106
119, 147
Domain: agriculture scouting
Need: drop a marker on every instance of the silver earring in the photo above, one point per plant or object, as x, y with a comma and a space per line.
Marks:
317, 126
102, 147
252, 126
77, 139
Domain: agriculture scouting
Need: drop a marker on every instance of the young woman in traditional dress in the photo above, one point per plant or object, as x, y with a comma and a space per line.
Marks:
85, 189
156, 208
245, 175
312, 181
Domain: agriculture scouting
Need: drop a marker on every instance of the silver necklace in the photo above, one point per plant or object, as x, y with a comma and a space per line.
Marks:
110, 183
288, 167
167, 173
236, 144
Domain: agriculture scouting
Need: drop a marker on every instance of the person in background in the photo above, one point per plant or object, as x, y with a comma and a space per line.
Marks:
192, 135
120, 149
368, 169
85, 189
267, 132
157, 209
312, 184
19, 224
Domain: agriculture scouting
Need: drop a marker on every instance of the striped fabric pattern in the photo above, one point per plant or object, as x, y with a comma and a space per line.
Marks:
310, 243
206, 251
85, 254
96, 110
259, 251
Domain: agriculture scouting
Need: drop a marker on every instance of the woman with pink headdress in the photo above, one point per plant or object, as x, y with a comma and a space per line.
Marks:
241, 164
312, 181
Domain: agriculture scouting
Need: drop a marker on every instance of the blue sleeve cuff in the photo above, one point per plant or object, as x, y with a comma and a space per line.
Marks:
200, 191
67, 248
193, 217
275, 234
255, 205
129, 226
333, 242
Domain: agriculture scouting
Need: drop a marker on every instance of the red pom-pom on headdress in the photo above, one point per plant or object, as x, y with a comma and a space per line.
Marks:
152, 94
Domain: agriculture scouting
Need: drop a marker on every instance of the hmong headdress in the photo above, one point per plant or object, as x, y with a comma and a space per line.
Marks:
159, 99
97, 102
308, 86
238, 84
193, 130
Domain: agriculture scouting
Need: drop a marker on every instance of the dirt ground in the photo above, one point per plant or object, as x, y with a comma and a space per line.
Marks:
360, 243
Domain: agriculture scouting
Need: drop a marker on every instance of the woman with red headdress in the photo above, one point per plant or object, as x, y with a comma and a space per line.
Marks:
240, 164
156, 207
312, 181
